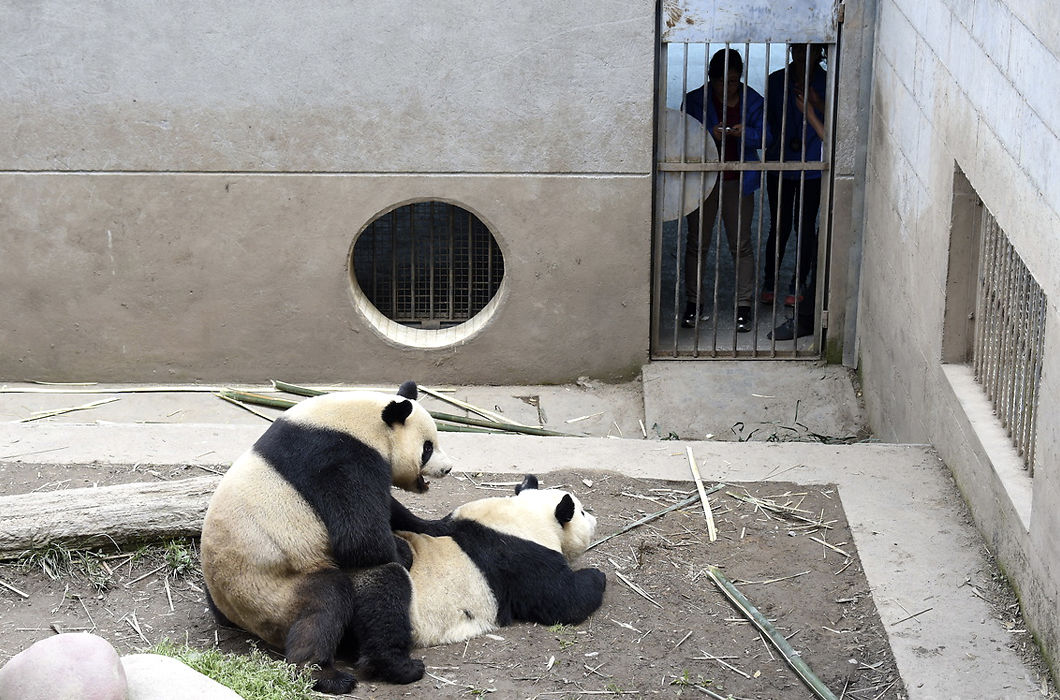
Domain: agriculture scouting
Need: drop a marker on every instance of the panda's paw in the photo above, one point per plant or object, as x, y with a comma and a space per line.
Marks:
395, 670
334, 682
596, 578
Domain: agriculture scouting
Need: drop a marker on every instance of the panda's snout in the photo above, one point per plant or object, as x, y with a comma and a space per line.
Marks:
438, 465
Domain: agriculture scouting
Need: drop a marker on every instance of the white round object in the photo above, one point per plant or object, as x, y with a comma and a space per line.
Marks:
679, 200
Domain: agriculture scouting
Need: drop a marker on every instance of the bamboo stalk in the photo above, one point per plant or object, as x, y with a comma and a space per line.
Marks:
759, 620
491, 426
295, 389
712, 530
258, 399
446, 428
71, 409
508, 427
488, 415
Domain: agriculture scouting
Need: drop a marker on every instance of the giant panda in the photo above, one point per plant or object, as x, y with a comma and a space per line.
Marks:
497, 560
296, 543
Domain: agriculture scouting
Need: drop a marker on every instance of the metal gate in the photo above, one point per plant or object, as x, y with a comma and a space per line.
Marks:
744, 134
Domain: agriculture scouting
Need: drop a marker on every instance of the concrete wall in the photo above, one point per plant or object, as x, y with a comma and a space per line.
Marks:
181, 184
971, 89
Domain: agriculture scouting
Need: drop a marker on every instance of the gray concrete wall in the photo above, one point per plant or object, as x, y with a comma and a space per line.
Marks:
181, 185
972, 88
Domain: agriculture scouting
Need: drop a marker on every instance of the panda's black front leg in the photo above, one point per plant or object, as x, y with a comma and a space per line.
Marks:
404, 552
401, 518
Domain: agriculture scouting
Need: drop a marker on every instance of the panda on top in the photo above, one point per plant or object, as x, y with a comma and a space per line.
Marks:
297, 546
497, 560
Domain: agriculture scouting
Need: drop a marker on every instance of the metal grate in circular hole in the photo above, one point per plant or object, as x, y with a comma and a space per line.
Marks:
427, 265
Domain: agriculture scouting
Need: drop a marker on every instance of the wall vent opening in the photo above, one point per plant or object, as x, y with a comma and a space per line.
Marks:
427, 273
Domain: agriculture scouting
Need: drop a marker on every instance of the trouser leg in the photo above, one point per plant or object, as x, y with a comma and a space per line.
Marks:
737, 211
697, 245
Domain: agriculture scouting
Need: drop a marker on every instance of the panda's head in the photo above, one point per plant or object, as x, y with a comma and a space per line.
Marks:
552, 518
396, 426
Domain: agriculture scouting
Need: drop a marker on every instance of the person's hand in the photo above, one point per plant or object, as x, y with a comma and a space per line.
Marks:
720, 131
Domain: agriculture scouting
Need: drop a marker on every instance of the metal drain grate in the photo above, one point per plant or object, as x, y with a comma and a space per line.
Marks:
428, 265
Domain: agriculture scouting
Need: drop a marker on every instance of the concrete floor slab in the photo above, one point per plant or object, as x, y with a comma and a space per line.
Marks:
760, 400
916, 543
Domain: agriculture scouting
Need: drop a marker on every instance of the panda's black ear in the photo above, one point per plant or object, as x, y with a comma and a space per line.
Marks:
397, 412
529, 482
409, 390
565, 509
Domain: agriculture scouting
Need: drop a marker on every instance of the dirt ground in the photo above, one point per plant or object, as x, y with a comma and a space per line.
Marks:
664, 630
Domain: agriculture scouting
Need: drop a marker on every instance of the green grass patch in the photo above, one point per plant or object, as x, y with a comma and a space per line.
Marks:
254, 676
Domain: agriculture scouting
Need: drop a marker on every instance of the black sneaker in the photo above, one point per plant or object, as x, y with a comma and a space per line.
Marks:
743, 318
790, 329
688, 320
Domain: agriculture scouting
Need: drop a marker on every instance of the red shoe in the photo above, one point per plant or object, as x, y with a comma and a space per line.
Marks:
789, 300
767, 297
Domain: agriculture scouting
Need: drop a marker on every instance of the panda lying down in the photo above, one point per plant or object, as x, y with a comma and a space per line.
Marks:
497, 560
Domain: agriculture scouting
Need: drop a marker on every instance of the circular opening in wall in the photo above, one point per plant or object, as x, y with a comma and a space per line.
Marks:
426, 274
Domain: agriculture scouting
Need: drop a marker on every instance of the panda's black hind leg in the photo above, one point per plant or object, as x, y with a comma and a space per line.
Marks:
217, 614
325, 610
382, 626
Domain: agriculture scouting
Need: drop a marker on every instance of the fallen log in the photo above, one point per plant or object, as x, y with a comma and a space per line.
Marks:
106, 515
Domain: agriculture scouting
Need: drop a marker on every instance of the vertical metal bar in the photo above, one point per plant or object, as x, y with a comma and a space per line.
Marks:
978, 333
471, 265
739, 192
662, 79
489, 265
1012, 327
430, 260
682, 219
1036, 369
1003, 405
1019, 377
370, 232
392, 220
824, 228
803, 127
778, 250
991, 353
698, 301
451, 267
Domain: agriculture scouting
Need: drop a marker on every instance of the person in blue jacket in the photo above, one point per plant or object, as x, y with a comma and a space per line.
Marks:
795, 118
733, 115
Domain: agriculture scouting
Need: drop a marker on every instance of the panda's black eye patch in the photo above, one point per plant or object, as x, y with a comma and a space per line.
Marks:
428, 450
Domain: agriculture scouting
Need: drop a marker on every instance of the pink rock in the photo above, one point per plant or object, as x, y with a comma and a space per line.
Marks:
75, 666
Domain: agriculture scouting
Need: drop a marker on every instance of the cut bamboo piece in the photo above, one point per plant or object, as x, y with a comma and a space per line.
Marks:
776, 638
507, 427
258, 399
712, 531
71, 409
